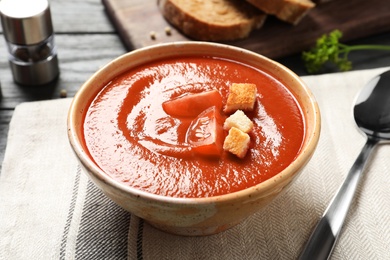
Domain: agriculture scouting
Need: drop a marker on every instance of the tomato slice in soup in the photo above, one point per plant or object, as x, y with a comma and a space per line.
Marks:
205, 133
192, 104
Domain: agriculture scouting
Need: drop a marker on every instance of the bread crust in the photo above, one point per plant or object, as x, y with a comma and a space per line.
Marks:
291, 11
237, 142
238, 120
212, 20
242, 96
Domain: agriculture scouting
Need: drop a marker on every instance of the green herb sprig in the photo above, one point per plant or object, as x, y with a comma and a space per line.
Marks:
328, 49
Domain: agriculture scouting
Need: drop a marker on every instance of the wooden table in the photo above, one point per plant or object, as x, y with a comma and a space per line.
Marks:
87, 40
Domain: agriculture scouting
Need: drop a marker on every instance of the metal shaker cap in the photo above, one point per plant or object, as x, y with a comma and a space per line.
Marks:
26, 22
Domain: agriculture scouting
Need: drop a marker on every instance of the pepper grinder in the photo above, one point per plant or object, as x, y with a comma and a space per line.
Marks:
29, 35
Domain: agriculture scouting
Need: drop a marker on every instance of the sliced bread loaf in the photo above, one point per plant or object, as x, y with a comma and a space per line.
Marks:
291, 11
212, 20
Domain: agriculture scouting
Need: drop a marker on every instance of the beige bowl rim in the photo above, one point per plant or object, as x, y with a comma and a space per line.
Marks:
264, 187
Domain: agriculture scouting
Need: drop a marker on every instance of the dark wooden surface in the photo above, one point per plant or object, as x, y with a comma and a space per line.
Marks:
87, 40
275, 39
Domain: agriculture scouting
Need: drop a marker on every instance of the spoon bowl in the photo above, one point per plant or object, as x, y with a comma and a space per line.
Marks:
372, 115
372, 109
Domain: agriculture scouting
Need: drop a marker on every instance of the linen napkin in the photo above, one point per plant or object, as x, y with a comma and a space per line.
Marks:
50, 210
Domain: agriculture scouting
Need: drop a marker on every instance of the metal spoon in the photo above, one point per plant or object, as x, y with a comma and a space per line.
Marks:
372, 116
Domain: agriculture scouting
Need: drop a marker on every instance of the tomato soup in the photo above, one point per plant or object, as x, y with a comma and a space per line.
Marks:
134, 140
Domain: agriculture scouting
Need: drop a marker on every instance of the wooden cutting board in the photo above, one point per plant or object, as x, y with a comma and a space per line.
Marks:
135, 19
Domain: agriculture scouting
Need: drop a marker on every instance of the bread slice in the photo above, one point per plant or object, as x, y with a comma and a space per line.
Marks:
238, 120
212, 20
242, 96
237, 142
291, 11
321, 1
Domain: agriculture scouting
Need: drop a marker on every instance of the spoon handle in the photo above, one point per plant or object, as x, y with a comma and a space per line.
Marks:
325, 234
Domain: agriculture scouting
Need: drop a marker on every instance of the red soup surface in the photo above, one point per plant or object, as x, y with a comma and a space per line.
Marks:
131, 138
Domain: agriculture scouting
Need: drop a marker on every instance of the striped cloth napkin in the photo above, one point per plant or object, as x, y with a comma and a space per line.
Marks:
50, 210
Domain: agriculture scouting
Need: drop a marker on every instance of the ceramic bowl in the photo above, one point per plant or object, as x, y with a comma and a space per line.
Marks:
193, 216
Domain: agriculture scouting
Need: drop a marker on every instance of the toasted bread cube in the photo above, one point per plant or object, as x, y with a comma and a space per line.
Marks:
237, 142
241, 96
238, 120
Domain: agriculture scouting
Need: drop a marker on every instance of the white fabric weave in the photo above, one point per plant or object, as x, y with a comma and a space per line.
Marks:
50, 210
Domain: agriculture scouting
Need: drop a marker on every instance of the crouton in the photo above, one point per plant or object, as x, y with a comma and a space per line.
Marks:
238, 120
237, 142
241, 96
